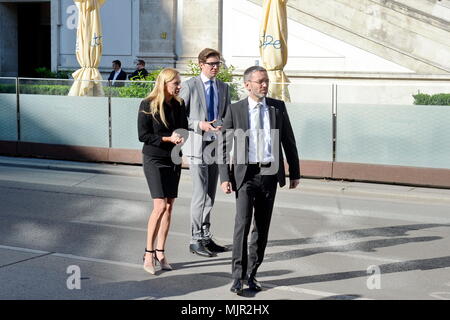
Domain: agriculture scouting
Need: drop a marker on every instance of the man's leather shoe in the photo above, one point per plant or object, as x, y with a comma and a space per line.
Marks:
237, 287
253, 284
200, 249
214, 247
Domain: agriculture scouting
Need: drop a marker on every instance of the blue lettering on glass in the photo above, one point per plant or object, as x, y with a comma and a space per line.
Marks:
96, 40
267, 40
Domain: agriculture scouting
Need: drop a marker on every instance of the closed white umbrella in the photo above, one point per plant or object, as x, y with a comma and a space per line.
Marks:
89, 48
273, 46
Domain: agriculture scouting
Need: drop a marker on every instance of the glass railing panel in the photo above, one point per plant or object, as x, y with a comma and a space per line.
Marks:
311, 115
49, 115
381, 124
8, 109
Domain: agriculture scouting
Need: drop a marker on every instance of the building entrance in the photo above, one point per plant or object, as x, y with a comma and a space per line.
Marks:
33, 38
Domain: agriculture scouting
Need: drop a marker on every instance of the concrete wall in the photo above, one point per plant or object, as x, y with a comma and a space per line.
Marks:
377, 36
157, 22
199, 26
436, 8
309, 50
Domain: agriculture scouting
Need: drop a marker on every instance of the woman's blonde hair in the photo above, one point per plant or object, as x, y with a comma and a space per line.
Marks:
156, 96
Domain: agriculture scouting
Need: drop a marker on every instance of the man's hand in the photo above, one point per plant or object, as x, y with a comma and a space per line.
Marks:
294, 183
226, 187
207, 126
176, 138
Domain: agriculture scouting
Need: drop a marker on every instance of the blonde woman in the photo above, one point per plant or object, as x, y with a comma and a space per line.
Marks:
160, 114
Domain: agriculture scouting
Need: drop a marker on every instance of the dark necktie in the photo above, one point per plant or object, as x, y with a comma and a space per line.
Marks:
211, 101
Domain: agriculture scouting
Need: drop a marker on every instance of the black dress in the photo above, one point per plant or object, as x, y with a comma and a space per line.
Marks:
162, 174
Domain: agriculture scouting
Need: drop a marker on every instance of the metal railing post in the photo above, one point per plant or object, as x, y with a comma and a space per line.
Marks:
109, 114
18, 108
334, 118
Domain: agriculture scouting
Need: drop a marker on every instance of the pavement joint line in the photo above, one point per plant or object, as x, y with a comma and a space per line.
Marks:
76, 184
180, 234
308, 291
278, 248
366, 257
73, 168
139, 266
278, 204
24, 260
23, 249
30, 187
346, 190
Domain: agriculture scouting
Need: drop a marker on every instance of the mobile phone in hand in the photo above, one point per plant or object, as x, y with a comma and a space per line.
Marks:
217, 123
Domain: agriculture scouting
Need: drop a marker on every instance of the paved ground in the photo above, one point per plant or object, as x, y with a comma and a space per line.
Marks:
328, 239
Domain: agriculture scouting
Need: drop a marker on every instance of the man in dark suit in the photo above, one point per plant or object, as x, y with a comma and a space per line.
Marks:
257, 126
117, 74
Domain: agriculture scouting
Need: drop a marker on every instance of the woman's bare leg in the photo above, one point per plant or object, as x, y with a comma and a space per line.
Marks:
164, 228
154, 222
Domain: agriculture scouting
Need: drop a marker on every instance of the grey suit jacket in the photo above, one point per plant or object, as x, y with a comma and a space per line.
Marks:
193, 93
237, 118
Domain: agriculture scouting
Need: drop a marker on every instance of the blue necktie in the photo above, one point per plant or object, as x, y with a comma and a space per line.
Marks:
211, 102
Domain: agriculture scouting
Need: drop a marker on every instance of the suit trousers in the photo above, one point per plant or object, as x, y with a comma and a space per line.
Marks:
204, 184
254, 200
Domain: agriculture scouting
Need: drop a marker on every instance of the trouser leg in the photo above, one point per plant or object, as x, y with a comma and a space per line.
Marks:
243, 219
213, 175
204, 185
264, 201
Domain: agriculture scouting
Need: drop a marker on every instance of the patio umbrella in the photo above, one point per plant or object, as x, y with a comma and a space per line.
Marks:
89, 47
273, 46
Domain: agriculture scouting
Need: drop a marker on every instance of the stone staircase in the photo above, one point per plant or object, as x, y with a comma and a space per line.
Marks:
412, 33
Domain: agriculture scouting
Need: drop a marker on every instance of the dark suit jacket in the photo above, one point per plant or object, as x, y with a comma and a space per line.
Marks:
122, 76
237, 117
138, 73
151, 130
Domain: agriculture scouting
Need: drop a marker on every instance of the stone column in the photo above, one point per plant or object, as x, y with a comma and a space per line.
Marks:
199, 26
157, 24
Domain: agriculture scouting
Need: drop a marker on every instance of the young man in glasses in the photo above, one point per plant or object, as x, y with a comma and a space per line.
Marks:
206, 99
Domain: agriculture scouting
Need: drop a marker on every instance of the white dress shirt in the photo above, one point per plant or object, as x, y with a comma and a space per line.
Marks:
267, 155
116, 74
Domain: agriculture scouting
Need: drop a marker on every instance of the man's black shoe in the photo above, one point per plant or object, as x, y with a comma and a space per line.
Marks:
214, 247
237, 287
199, 248
253, 284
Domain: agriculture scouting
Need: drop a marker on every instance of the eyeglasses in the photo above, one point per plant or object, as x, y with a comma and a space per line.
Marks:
213, 64
260, 82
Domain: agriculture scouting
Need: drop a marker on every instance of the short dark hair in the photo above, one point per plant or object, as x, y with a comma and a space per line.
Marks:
249, 71
141, 62
117, 62
206, 53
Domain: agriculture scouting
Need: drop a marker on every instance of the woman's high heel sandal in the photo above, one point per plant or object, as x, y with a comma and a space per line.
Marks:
163, 263
150, 268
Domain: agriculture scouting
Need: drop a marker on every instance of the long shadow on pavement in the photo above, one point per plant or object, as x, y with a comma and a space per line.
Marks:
404, 266
393, 231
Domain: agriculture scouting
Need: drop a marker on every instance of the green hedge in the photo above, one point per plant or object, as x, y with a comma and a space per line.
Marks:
440, 99
7, 88
134, 90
